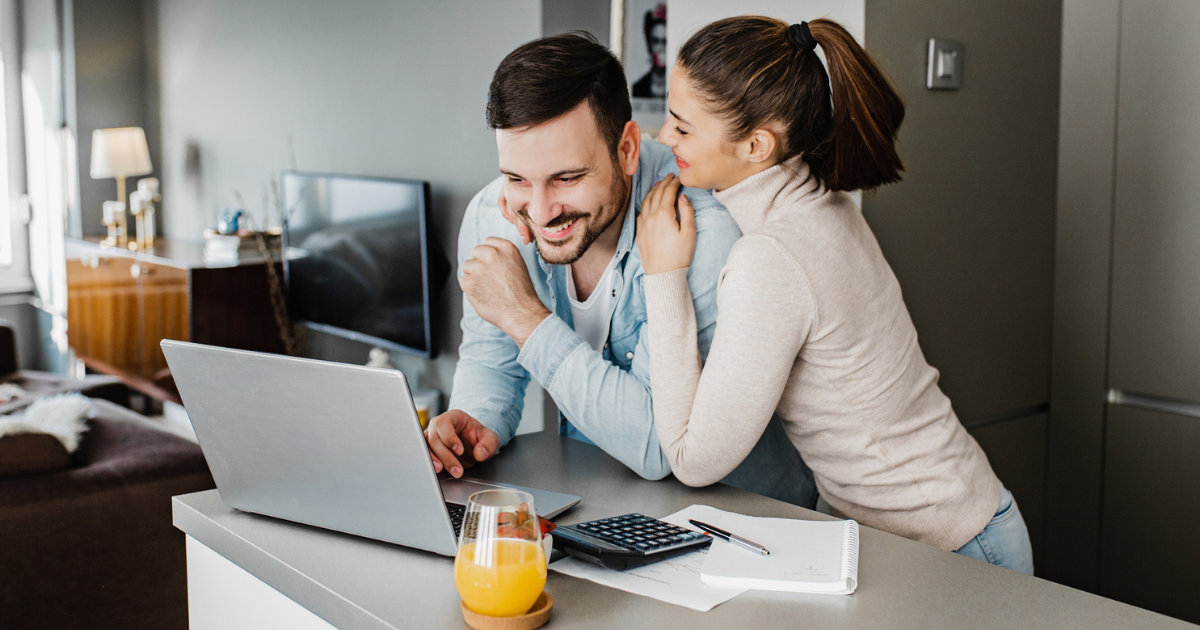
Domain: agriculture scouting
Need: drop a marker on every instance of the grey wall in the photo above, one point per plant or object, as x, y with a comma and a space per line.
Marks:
18, 310
561, 16
392, 89
111, 73
970, 230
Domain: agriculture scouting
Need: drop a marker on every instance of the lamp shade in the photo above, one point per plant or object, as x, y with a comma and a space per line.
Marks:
120, 152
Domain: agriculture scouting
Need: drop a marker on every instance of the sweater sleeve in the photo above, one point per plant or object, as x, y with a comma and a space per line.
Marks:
709, 420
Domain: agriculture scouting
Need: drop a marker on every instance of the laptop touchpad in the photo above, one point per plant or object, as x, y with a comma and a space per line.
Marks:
459, 490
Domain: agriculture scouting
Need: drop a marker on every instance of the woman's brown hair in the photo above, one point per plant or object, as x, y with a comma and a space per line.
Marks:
750, 73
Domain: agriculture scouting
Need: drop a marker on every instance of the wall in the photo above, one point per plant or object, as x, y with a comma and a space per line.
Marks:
111, 69
561, 16
392, 89
970, 230
20, 311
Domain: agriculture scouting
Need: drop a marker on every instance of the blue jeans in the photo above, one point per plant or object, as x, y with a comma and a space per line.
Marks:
1005, 540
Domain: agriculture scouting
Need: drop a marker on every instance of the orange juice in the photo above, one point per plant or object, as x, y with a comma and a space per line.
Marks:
502, 579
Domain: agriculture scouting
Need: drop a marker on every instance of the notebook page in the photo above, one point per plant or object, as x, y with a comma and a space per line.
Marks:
806, 556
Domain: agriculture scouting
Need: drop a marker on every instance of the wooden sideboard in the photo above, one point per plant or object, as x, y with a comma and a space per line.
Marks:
121, 304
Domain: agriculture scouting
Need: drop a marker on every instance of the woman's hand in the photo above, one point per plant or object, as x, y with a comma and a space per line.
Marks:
511, 217
666, 244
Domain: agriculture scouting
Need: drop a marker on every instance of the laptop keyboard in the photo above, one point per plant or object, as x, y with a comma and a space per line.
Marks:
456, 516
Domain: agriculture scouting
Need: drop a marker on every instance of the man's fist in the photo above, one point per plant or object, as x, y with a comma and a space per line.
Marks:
496, 283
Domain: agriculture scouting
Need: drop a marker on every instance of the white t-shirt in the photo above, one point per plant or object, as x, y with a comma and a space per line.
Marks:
591, 315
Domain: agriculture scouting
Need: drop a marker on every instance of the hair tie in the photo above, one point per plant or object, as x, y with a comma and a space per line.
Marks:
801, 37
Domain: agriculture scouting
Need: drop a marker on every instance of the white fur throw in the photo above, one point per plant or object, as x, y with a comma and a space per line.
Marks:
64, 416
9, 391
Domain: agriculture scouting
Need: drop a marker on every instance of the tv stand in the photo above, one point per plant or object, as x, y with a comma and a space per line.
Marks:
121, 304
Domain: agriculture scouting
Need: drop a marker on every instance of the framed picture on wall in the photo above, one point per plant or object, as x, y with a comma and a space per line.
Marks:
640, 42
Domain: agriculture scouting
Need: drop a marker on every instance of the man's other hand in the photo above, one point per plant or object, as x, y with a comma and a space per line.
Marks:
512, 218
497, 284
451, 434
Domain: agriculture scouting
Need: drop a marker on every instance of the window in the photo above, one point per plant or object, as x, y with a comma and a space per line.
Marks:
10, 151
6, 196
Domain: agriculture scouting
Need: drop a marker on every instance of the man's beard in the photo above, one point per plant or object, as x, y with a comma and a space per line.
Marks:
607, 213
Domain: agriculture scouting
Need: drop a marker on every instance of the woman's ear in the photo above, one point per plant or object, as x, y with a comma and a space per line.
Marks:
761, 145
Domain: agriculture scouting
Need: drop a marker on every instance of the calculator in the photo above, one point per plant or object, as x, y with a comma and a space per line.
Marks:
625, 542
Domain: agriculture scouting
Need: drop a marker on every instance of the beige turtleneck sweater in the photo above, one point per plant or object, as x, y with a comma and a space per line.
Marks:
812, 327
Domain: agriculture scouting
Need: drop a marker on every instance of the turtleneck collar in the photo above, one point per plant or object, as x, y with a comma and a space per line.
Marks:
753, 200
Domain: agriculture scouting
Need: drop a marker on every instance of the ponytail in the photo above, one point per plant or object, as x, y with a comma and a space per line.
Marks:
867, 113
754, 70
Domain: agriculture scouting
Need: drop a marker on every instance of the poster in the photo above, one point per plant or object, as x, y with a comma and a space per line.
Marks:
645, 58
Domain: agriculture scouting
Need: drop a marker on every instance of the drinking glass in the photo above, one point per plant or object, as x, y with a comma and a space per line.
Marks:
500, 569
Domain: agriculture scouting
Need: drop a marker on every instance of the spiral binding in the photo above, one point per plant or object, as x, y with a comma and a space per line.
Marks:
850, 556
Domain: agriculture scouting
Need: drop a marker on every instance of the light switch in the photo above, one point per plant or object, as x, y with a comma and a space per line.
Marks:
944, 71
946, 63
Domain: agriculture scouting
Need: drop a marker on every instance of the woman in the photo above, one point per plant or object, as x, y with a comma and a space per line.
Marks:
812, 324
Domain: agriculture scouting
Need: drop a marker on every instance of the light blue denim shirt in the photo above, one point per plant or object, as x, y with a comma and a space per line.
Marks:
604, 396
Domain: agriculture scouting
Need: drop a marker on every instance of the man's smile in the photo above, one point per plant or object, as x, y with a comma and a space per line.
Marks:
559, 232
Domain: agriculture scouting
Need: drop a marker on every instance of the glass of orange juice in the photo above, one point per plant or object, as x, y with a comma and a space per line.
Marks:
500, 569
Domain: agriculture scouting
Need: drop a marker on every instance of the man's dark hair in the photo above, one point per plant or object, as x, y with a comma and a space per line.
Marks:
549, 77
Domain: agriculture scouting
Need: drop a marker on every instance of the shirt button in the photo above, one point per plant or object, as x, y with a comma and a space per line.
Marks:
628, 355
614, 293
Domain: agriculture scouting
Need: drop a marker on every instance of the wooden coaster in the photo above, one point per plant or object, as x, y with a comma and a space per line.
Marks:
535, 618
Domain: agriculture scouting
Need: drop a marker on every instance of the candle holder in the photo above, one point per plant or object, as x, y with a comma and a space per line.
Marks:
142, 207
114, 220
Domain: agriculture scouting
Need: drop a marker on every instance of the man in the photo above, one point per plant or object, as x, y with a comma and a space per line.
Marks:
568, 309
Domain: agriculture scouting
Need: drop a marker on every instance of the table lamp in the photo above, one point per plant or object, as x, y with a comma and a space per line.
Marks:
119, 152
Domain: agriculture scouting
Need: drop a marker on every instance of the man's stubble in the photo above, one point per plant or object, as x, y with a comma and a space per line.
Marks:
610, 210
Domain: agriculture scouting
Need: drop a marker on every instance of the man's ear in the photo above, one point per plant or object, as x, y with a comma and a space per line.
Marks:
761, 145
629, 148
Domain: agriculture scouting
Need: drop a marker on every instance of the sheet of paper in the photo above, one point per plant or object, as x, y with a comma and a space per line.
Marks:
674, 580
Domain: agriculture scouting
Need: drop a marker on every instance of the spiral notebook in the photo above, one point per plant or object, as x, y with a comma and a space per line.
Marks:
806, 556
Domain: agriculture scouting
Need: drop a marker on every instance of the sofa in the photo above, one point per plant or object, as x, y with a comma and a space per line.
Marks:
92, 545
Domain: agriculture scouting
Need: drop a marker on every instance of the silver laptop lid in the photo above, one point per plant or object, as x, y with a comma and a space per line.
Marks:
327, 444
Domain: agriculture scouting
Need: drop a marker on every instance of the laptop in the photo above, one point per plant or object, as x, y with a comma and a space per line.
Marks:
332, 445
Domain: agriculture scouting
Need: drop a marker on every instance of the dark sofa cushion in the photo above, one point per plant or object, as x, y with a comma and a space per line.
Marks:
28, 453
93, 546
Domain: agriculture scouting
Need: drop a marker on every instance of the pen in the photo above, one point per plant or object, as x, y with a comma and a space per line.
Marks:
733, 538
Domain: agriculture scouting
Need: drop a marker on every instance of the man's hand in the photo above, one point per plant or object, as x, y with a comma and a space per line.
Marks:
497, 284
451, 434
511, 217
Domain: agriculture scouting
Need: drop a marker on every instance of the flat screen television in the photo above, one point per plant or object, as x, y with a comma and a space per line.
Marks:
357, 261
